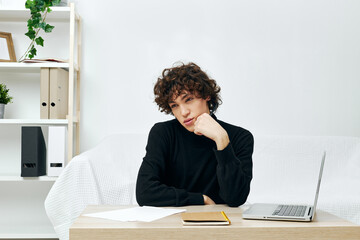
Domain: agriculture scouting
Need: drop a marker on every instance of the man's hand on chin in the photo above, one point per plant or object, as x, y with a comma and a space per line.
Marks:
207, 126
208, 201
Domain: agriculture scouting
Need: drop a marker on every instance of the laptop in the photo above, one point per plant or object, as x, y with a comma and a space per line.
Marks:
285, 212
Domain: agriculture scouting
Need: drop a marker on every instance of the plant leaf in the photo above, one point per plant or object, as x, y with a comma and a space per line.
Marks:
30, 22
40, 4
42, 25
48, 28
39, 41
36, 16
32, 52
29, 4
31, 34
34, 9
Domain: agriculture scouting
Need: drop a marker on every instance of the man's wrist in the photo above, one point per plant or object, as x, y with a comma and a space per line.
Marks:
222, 141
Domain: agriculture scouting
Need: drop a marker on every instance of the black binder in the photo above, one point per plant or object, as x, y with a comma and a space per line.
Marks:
33, 152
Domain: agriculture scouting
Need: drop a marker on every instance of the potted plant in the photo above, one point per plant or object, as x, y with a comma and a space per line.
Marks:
38, 10
4, 99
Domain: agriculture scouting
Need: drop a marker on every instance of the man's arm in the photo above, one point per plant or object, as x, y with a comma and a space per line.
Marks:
150, 187
234, 169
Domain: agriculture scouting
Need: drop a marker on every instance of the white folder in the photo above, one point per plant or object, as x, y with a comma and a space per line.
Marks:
57, 150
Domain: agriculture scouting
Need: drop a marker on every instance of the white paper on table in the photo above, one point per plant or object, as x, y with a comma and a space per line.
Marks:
142, 214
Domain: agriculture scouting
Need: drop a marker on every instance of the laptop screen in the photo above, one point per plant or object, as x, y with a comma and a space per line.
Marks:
319, 181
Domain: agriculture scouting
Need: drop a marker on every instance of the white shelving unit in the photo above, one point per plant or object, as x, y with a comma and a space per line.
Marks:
35, 121
17, 178
58, 14
22, 213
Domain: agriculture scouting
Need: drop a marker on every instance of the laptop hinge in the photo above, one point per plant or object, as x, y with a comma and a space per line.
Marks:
310, 213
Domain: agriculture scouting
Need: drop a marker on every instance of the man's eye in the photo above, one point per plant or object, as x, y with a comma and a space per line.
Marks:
189, 99
173, 106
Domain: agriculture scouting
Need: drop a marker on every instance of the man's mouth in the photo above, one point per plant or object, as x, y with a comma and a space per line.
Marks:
188, 121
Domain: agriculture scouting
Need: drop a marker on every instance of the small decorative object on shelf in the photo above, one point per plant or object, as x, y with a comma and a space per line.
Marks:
7, 52
4, 99
39, 10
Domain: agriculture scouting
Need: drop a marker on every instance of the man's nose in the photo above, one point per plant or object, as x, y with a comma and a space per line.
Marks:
184, 111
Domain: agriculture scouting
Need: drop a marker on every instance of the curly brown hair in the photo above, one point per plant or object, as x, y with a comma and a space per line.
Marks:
189, 78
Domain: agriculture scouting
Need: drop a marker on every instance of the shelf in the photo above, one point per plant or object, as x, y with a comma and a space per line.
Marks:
34, 121
59, 14
28, 236
27, 231
29, 67
22, 179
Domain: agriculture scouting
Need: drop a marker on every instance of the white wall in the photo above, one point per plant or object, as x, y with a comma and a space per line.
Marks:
285, 67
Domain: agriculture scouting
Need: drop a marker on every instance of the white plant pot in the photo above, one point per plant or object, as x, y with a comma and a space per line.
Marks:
2, 110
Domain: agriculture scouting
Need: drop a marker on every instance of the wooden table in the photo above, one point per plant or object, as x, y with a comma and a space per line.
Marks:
324, 226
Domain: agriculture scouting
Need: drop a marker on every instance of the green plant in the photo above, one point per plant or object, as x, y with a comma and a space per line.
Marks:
4, 94
38, 10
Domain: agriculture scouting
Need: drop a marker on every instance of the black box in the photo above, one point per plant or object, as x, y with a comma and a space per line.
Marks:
33, 152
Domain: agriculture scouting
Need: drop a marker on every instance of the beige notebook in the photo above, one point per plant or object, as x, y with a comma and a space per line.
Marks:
205, 218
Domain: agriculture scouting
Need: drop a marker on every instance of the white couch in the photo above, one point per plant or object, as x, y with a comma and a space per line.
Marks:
285, 170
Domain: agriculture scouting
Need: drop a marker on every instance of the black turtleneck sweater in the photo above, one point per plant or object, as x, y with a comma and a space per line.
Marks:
180, 166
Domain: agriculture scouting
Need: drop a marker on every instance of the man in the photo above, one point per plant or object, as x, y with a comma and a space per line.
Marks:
194, 159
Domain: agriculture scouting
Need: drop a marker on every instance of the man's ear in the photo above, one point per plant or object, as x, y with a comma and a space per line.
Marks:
208, 98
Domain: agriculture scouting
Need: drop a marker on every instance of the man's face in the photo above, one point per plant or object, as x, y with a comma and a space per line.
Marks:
187, 107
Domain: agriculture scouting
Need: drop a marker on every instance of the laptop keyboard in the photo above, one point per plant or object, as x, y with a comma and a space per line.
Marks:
290, 210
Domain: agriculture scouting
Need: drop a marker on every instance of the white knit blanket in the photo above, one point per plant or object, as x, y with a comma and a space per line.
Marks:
105, 175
